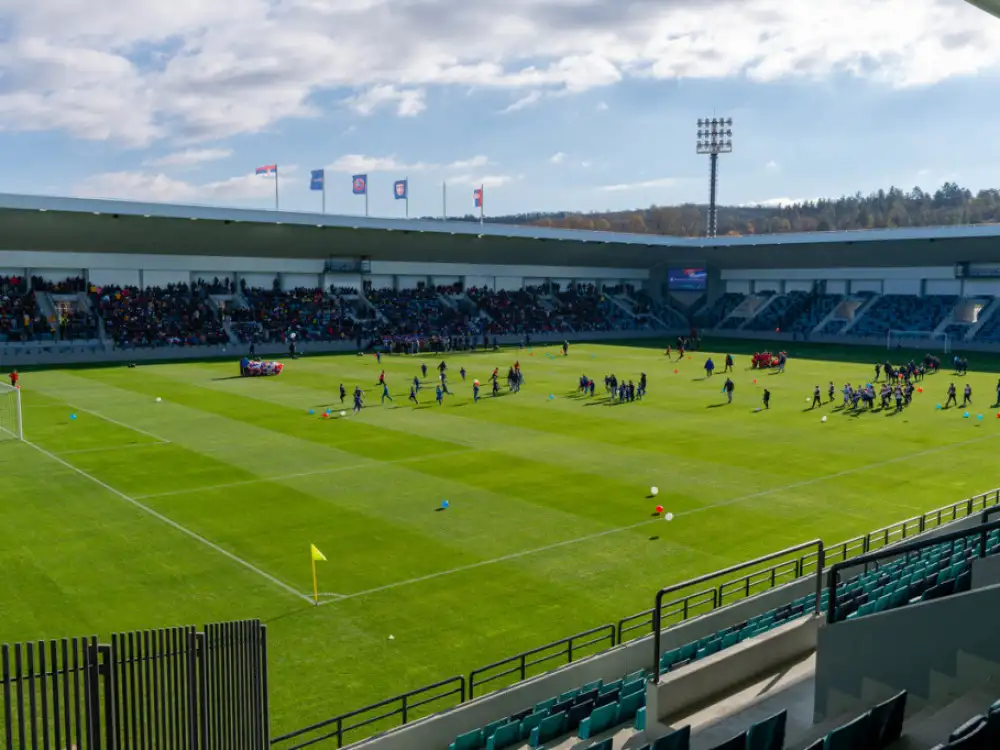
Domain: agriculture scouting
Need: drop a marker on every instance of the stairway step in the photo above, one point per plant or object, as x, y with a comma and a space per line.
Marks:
935, 722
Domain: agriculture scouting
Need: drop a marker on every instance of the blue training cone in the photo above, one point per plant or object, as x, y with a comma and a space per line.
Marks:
938, 406
965, 416
551, 397
72, 416
445, 504
311, 411
980, 416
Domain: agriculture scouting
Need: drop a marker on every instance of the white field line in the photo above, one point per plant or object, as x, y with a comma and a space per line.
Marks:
640, 524
170, 522
120, 424
373, 463
111, 448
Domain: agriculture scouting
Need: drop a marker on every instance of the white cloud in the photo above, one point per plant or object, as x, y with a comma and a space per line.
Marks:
558, 158
190, 157
360, 164
532, 97
602, 106
408, 102
159, 188
486, 181
197, 70
772, 166
779, 202
661, 182
585, 164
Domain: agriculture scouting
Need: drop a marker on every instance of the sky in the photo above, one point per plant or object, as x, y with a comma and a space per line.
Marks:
550, 105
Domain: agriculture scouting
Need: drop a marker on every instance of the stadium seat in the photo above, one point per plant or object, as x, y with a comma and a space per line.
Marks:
607, 744
600, 720
530, 722
975, 739
549, 728
629, 705
739, 742
850, 736
493, 726
469, 741
505, 736
546, 704
578, 713
970, 727
606, 698
768, 734
679, 739
886, 721
640, 720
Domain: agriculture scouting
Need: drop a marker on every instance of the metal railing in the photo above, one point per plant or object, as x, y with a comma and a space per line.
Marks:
695, 604
658, 604
564, 651
405, 706
905, 550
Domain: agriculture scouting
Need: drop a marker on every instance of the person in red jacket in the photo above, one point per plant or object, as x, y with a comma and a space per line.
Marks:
14, 378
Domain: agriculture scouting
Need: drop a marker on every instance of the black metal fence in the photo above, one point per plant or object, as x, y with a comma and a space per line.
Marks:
167, 689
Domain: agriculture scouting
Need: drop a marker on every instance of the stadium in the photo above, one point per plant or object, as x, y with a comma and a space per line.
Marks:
764, 565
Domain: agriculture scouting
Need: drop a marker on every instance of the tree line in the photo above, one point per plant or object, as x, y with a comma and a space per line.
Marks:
948, 206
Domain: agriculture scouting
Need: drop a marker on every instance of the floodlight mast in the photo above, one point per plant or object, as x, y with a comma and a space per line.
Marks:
715, 136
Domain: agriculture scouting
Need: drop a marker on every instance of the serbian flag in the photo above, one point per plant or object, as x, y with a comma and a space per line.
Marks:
477, 197
268, 169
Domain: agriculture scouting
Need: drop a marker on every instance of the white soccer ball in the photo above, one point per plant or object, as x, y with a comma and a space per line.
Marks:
392, 637
808, 399
654, 491
158, 399
668, 517
823, 419
343, 413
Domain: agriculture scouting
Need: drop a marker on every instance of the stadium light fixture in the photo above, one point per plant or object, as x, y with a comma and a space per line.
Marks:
715, 136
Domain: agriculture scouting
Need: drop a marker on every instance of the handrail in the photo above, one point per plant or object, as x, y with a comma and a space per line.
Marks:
403, 710
657, 631
686, 603
832, 575
522, 659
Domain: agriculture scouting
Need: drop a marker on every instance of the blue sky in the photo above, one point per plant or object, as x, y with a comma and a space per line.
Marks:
551, 104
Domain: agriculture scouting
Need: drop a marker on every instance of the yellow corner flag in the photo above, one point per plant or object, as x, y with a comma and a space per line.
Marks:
316, 556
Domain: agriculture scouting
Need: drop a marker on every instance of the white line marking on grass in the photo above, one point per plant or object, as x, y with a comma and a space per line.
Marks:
120, 424
374, 463
172, 523
640, 524
112, 448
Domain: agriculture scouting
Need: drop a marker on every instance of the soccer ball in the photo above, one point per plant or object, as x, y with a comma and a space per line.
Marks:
158, 399
343, 413
823, 419
668, 517
654, 491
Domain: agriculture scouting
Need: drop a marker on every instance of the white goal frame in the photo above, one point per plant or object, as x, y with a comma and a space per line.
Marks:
917, 340
11, 404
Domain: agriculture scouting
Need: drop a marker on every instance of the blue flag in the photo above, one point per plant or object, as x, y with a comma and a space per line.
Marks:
399, 189
317, 179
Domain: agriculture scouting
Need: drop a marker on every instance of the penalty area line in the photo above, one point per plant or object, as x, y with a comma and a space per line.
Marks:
116, 422
172, 523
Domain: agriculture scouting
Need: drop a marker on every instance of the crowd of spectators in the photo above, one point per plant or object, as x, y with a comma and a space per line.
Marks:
585, 309
19, 316
310, 314
158, 316
73, 285
517, 311
421, 312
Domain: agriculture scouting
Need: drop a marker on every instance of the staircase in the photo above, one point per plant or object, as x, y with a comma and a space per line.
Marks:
759, 309
861, 312
984, 315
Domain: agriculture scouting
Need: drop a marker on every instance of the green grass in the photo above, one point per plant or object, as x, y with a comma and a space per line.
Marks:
241, 464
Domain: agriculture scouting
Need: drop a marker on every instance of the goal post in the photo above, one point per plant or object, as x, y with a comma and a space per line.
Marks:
10, 413
918, 340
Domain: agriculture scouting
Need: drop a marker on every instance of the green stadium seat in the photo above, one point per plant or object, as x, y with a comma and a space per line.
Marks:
578, 713
530, 722
493, 726
595, 685
545, 705
632, 687
505, 736
639, 674
469, 741
687, 651
739, 742
568, 695
610, 687
601, 719
607, 744
679, 739
768, 734
629, 705
550, 728
850, 736
640, 720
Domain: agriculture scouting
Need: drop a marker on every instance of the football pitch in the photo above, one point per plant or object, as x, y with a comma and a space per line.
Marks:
201, 507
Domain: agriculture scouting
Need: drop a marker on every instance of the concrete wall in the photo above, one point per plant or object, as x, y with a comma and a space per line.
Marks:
693, 685
930, 648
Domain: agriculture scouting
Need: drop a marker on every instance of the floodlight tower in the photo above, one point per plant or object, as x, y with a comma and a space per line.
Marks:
715, 136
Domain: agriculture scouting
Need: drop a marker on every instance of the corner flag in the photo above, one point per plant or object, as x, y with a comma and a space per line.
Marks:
316, 556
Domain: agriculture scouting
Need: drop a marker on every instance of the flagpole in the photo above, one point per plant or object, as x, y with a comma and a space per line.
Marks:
366, 197
315, 582
324, 193
482, 204
407, 201
444, 201
276, 187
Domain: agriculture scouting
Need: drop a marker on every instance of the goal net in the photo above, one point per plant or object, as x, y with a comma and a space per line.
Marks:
935, 342
10, 413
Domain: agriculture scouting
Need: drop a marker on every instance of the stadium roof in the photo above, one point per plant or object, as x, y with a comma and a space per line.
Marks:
990, 6
91, 225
